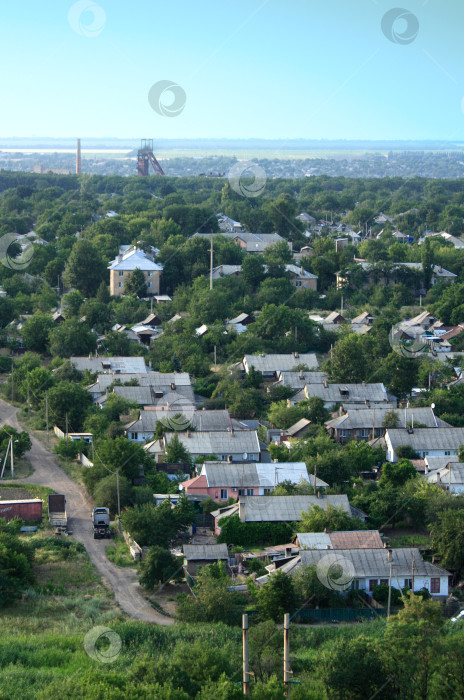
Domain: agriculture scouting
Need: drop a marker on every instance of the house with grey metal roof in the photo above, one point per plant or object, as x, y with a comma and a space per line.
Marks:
361, 423
181, 418
180, 399
110, 365
198, 555
301, 278
363, 569
450, 477
297, 380
161, 381
362, 394
298, 429
341, 539
221, 480
270, 365
228, 446
131, 258
427, 442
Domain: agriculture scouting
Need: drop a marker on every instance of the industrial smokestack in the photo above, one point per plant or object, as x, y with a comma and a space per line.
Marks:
78, 158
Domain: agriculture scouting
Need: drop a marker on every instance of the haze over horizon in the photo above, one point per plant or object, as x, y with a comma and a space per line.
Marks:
239, 69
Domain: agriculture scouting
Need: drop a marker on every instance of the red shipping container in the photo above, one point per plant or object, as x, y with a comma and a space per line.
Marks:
27, 510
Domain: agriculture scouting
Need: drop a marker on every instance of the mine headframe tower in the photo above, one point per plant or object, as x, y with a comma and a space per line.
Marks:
145, 156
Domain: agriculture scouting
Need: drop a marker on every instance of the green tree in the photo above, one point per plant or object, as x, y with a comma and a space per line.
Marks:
158, 567
176, 452
85, 269
397, 474
39, 380
448, 539
390, 420
212, 602
252, 271
135, 283
427, 263
35, 332
316, 519
277, 597
71, 399
283, 416
72, 338
22, 441
313, 592
105, 493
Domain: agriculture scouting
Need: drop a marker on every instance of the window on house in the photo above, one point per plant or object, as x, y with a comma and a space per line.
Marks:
384, 581
372, 582
224, 495
120, 285
150, 274
266, 491
355, 584
133, 436
408, 582
241, 492
150, 285
121, 273
447, 452
250, 492
434, 585
298, 283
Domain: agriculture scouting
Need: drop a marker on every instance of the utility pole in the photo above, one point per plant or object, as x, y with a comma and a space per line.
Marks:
246, 674
373, 423
211, 264
46, 416
12, 379
11, 455
215, 358
66, 426
117, 489
287, 654
315, 478
412, 579
28, 404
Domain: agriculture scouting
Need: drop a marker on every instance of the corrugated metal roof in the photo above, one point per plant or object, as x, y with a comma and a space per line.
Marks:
358, 418
299, 425
199, 421
205, 551
120, 365
297, 380
219, 442
133, 260
427, 438
288, 508
452, 474
247, 475
374, 562
180, 399
281, 363
349, 393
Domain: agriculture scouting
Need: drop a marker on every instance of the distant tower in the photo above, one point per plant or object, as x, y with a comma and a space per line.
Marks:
78, 158
145, 155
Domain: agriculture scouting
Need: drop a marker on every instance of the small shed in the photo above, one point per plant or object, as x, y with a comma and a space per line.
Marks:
198, 555
28, 510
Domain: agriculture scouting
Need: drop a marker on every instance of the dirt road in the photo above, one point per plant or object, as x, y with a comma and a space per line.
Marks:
123, 581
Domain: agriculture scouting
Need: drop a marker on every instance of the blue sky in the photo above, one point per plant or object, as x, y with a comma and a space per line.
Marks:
249, 68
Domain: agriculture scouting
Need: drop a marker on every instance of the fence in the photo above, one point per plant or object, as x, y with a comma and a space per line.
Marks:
84, 461
58, 432
336, 614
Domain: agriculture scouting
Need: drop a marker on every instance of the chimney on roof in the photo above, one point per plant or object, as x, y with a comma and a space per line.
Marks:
325, 384
301, 374
318, 494
389, 554
173, 386
189, 434
327, 546
301, 271
363, 384
295, 354
288, 551
229, 459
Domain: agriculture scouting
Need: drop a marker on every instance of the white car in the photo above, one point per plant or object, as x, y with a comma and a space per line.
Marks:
460, 616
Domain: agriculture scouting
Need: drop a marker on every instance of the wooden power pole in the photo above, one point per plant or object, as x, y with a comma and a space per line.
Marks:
246, 673
287, 654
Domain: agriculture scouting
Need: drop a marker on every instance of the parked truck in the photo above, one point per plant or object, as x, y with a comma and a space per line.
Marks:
57, 512
101, 523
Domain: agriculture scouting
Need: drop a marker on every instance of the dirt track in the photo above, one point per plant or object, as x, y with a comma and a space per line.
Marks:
123, 581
